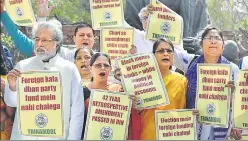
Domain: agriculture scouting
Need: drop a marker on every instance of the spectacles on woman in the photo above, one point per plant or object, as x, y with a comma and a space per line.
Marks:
99, 66
162, 51
213, 38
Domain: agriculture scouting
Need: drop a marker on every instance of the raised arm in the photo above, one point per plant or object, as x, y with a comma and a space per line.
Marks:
22, 42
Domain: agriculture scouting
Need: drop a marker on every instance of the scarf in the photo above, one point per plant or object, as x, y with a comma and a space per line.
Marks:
191, 93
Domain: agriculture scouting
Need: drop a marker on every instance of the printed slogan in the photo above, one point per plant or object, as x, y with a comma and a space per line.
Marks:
20, 12
142, 78
213, 98
163, 22
106, 13
116, 42
240, 102
108, 116
40, 104
175, 125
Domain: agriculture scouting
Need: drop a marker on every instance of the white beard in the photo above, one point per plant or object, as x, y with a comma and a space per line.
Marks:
44, 56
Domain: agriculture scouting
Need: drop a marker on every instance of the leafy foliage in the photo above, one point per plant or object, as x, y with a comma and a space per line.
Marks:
228, 14
6, 40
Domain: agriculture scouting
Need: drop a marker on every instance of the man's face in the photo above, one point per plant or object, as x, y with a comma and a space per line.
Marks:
45, 46
84, 37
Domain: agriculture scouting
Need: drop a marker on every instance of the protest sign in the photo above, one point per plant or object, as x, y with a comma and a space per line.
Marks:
163, 22
40, 104
20, 12
116, 42
240, 102
175, 125
108, 116
141, 77
212, 97
107, 13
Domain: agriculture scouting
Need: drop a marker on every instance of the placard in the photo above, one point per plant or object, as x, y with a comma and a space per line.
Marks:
106, 13
116, 42
20, 12
175, 125
212, 97
40, 104
141, 76
163, 22
240, 102
108, 116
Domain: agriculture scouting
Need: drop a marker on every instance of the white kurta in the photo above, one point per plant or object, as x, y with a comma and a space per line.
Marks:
67, 54
73, 97
244, 64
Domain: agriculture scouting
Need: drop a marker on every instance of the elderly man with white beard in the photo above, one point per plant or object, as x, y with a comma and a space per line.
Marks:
47, 39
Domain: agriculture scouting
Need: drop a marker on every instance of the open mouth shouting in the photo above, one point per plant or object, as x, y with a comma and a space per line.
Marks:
166, 60
84, 67
102, 74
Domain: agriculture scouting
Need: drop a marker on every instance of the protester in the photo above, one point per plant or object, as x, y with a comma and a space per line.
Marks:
7, 114
212, 44
231, 51
82, 60
145, 46
48, 38
176, 87
83, 35
100, 66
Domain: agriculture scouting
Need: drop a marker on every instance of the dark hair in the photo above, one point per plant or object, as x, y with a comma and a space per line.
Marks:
96, 55
83, 25
160, 40
207, 30
89, 50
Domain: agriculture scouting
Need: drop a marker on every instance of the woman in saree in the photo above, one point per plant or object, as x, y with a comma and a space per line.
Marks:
82, 61
7, 114
212, 43
143, 125
100, 67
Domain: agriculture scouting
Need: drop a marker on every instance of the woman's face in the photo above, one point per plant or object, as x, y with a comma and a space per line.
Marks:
212, 44
164, 55
101, 69
83, 61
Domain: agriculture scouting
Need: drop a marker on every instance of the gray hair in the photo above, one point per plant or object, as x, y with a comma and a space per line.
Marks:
53, 26
143, 10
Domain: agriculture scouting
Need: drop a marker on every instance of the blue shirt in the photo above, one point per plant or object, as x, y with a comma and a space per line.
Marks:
21, 41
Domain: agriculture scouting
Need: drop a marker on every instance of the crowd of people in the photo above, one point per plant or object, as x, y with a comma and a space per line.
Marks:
83, 69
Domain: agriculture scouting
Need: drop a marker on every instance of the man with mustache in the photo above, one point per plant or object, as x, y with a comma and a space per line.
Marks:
47, 40
83, 35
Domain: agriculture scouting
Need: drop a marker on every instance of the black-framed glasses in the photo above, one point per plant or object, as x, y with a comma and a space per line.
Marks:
99, 66
162, 51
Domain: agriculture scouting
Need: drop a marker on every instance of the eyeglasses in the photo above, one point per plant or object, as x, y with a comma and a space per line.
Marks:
43, 41
162, 51
213, 38
85, 58
99, 66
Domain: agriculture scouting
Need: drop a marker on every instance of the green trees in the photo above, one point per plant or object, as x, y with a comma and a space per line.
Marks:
228, 14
